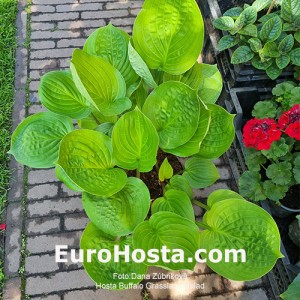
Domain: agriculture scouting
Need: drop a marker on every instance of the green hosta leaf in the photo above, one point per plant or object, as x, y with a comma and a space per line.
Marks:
105, 128
295, 56
174, 110
169, 34
250, 186
250, 30
221, 195
296, 169
258, 64
140, 67
278, 149
100, 83
250, 15
287, 44
111, 44
273, 71
119, 214
297, 36
233, 12
86, 157
165, 170
193, 145
174, 201
271, 30
103, 273
95, 118
35, 142
274, 192
259, 237
241, 55
140, 95
254, 159
170, 230
280, 173
282, 61
255, 44
227, 42
200, 173
270, 50
135, 142
194, 76
264, 109
293, 291
62, 176
290, 10
220, 133
224, 23
179, 183
59, 94
261, 4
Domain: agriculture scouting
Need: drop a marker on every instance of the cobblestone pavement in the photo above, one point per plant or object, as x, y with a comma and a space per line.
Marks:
41, 211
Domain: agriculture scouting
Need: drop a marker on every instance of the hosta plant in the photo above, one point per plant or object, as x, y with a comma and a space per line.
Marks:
138, 103
270, 40
272, 141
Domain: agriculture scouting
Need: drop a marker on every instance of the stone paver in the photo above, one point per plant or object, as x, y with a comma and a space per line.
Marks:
53, 213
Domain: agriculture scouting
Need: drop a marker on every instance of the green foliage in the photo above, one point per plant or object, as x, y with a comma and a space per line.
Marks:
135, 100
293, 291
250, 186
264, 109
270, 43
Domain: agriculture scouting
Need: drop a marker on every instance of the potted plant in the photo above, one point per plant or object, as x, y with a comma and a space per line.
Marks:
139, 104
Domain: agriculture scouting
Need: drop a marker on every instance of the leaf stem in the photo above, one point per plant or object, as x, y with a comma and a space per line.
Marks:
271, 7
180, 172
96, 120
202, 225
200, 204
263, 167
138, 174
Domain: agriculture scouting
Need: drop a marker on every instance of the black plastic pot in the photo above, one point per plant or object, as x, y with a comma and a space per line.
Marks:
282, 211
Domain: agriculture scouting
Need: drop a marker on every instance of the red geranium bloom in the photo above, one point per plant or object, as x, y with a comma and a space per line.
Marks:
293, 130
2, 226
289, 117
260, 134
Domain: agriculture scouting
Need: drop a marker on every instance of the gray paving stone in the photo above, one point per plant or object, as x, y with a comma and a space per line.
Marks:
55, 17
42, 225
47, 243
43, 64
48, 190
36, 108
239, 285
76, 222
59, 34
42, 45
121, 21
63, 43
66, 192
52, 53
42, 176
16, 186
81, 24
134, 11
53, 2
104, 14
41, 26
61, 281
34, 85
42, 8
54, 207
36, 74
13, 239
12, 289
51, 297
104, 294
40, 264
124, 4
224, 173
204, 193
79, 7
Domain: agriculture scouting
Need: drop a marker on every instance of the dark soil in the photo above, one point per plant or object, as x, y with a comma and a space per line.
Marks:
292, 198
151, 178
226, 4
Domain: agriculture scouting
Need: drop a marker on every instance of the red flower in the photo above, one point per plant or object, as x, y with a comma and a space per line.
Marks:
260, 134
293, 130
2, 226
289, 117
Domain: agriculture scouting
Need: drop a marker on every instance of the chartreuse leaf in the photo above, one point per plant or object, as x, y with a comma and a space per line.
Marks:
179, 183
172, 231
286, 44
258, 237
174, 201
271, 30
94, 119
200, 172
120, 213
62, 176
264, 109
135, 142
35, 142
140, 67
103, 272
296, 169
261, 4
111, 43
86, 157
295, 56
59, 94
174, 110
226, 42
224, 23
193, 145
273, 191
290, 10
250, 186
241, 55
293, 291
169, 34
105, 128
220, 133
221, 195
165, 170
280, 173
254, 159
100, 83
